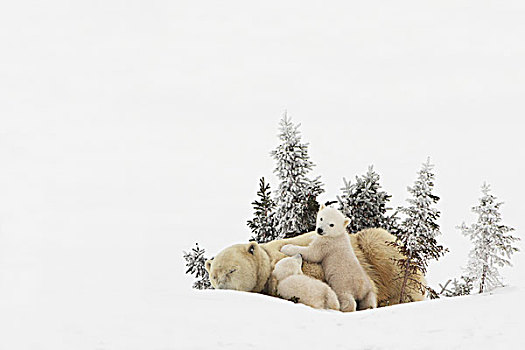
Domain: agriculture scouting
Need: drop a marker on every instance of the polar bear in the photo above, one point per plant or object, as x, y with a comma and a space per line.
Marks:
248, 266
240, 267
342, 270
293, 283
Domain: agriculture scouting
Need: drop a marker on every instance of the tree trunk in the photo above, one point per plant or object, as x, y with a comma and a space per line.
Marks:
483, 276
405, 279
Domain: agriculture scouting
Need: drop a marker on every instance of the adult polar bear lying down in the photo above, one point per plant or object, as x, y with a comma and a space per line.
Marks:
248, 267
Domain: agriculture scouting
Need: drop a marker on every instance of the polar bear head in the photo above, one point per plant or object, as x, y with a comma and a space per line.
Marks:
288, 267
330, 222
244, 267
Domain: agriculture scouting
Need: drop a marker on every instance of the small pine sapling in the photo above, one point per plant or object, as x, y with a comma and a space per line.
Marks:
296, 196
195, 262
493, 244
364, 203
463, 287
262, 224
416, 238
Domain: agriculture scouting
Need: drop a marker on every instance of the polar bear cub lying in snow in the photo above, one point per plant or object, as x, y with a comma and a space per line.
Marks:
292, 283
341, 268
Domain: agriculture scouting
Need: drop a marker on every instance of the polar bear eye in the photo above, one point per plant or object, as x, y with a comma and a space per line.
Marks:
320, 219
331, 225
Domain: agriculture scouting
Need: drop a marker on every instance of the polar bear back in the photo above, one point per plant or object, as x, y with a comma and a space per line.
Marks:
309, 291
341, 268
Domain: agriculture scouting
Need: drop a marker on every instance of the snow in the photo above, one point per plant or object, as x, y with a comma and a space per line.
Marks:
131, 130
217, 319
260, 322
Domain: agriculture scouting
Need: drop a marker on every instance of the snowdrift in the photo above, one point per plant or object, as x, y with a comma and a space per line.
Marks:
237, 320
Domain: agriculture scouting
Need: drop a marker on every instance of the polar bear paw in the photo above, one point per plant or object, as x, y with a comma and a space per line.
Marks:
289, 249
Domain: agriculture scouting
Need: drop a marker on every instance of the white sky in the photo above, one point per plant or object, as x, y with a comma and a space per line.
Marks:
130, 130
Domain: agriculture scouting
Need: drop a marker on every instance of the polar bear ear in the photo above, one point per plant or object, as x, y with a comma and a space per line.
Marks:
208, 265
298, 257
322, 207
346, 222
251, 247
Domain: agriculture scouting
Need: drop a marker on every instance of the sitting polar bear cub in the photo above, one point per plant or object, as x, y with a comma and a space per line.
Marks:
341, 268
291, 282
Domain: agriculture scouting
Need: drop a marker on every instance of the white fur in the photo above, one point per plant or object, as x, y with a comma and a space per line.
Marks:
341, 268
291, 282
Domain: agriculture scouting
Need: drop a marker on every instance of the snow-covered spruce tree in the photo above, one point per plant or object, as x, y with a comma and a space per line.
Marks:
296, 196
416, 238
364, 203
463, 287
195, 262
262, 224
493, 245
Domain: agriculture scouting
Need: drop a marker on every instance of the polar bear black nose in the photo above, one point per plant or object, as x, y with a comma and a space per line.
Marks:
319, 230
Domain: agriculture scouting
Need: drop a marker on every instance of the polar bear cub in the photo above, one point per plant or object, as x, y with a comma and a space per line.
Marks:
332, 248
292, 283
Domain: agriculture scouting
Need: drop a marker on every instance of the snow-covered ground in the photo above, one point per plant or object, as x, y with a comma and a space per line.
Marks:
131, 129
220, 319
239, 320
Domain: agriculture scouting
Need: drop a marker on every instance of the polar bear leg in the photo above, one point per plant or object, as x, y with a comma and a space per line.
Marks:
368, 302
347, 302
331, 301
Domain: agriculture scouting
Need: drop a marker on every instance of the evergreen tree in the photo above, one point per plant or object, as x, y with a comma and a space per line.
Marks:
463, 287
296, 196
365, 204
262, 224
493, 245
195, 262
416, 238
